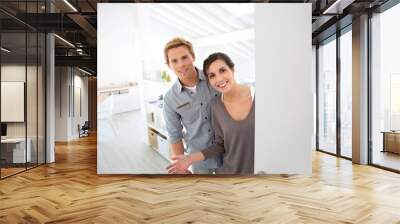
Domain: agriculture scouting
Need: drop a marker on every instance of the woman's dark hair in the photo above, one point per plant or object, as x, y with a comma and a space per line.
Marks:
215, 56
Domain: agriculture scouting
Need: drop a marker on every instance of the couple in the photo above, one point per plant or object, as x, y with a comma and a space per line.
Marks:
211, 112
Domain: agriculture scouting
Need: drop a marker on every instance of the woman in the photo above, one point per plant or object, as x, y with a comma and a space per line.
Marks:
232, 118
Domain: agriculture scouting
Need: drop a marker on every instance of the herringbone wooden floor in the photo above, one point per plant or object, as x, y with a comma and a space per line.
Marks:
70, 191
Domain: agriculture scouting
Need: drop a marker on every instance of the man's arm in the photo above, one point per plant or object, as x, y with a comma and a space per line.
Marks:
174, 128
177, 148
182, 162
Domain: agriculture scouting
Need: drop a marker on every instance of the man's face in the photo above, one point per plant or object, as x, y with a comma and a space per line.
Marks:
181, 61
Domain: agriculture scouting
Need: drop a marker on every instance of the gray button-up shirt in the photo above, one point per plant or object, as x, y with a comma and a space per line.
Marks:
187, 116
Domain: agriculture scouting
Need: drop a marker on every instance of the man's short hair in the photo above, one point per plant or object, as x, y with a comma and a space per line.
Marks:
177, 42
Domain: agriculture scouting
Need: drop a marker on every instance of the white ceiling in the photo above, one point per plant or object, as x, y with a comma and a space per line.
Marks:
227, 27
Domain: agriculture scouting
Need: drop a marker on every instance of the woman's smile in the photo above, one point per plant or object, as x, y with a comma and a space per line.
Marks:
222, 84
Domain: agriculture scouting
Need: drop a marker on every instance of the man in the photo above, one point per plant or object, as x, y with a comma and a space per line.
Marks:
187, 109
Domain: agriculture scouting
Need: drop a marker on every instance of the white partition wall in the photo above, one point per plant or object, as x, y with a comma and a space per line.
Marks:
284, 101
131, 68
121, 124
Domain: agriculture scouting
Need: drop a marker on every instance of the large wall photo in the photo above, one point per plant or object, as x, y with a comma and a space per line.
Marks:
178, 83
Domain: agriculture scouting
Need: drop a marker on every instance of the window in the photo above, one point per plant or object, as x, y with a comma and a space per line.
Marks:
385, 89
327, 96
22, 65
346, 93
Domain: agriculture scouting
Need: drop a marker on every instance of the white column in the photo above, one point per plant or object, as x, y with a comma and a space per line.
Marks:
50, 100
360, 90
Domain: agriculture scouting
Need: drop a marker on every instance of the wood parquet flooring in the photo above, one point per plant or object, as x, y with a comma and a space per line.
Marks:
10, 171
70, 191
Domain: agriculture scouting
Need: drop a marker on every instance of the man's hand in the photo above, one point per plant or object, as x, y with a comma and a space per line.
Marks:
180, 165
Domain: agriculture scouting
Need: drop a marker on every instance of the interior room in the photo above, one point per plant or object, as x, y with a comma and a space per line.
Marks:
22, 101
56, 112
131, 104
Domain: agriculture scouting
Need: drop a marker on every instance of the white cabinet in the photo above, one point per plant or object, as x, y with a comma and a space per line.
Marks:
163, 146
19, 155
159, 142
153, 138
155, 118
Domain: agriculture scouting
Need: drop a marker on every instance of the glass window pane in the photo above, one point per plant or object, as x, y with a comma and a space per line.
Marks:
346, 94
23, 87
327, 96
386, 89
13, 86
31, 101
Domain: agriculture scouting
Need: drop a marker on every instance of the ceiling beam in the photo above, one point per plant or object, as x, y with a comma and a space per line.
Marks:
83, 23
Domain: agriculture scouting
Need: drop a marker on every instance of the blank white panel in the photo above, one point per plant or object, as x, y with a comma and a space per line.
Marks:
12, 101
284, 100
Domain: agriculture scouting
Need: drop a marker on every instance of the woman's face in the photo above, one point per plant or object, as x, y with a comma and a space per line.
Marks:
220, 76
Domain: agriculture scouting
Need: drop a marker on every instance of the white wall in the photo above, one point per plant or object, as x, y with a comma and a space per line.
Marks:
68, 80
61, 103
115, 62
284, 97
12, 73
118, 61
79, 117
33, 126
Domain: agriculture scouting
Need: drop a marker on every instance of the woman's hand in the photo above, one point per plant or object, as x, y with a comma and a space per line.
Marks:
180, 165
